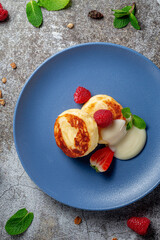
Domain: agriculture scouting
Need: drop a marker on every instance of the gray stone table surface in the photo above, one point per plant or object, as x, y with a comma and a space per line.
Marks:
28, 47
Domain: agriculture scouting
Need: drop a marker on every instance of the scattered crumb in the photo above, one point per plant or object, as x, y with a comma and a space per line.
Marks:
114, 238
2, 102
13, 65
4, 80
77, 220
0, 94
70, 25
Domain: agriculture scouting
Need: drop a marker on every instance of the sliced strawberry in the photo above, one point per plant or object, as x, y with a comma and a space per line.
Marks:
101, 159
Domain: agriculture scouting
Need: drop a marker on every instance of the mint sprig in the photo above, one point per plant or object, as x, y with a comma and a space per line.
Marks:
34, 13
124, 16
19, 222
133, 119
53, 5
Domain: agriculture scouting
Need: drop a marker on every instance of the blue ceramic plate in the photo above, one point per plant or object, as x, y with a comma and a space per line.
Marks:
103, 68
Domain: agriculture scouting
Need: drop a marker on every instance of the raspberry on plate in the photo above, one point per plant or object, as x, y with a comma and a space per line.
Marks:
103, 118
139, 224
81, 95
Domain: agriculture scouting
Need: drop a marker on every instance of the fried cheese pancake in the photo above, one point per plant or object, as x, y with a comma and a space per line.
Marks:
98, 102
76, 133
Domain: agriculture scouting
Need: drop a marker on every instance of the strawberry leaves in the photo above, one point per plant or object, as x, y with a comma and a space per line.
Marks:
124, 16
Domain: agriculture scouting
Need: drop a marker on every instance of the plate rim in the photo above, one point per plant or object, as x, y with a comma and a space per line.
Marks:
46, 191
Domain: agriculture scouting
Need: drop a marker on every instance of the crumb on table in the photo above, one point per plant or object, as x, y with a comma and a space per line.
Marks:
13, 65
77, 220
70, 25
2, 102
4, 80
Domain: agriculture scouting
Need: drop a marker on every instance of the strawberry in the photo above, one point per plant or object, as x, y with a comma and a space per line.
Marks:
101, 159
103, 118
1, 6
81, 95
139, 224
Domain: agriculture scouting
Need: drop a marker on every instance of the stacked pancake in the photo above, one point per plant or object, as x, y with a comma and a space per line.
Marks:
76, 131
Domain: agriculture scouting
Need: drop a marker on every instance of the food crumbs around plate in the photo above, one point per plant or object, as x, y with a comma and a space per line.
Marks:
13, 65
2, 102
4, 80
77, 220
70, 25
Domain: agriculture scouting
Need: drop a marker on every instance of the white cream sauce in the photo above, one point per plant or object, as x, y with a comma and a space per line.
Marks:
131, 144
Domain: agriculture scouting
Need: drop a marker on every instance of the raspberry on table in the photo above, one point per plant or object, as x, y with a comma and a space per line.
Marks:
3, 13
103, 118
139, 224
81, 95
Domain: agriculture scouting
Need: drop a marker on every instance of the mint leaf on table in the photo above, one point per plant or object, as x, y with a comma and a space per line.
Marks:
121, 22
134, 21
124, 16
129, 8
120, 13
53, 5
139, 122
19, 222
34, 13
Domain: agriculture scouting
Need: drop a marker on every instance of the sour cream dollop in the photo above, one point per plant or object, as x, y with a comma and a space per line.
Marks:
131, 145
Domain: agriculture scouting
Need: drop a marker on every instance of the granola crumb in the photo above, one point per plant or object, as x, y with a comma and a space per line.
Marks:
4, 80
70, 25
13, 65
0, 94
77, 220
2, 102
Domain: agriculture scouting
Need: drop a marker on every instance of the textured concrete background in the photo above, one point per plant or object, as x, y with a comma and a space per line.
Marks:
28, 47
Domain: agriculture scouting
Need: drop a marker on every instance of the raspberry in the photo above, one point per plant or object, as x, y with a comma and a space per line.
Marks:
81, 95
103, 118
3, 13
139, 224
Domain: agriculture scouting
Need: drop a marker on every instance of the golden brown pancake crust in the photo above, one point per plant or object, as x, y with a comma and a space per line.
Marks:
112, 105
81, 141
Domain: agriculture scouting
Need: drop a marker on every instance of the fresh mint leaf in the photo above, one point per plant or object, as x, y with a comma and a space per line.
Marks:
128, 8
120, 13
129, 125
126, 112
19, 222
53, 5
121, 22
34, 13
139, 122
134, 21
124, 16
